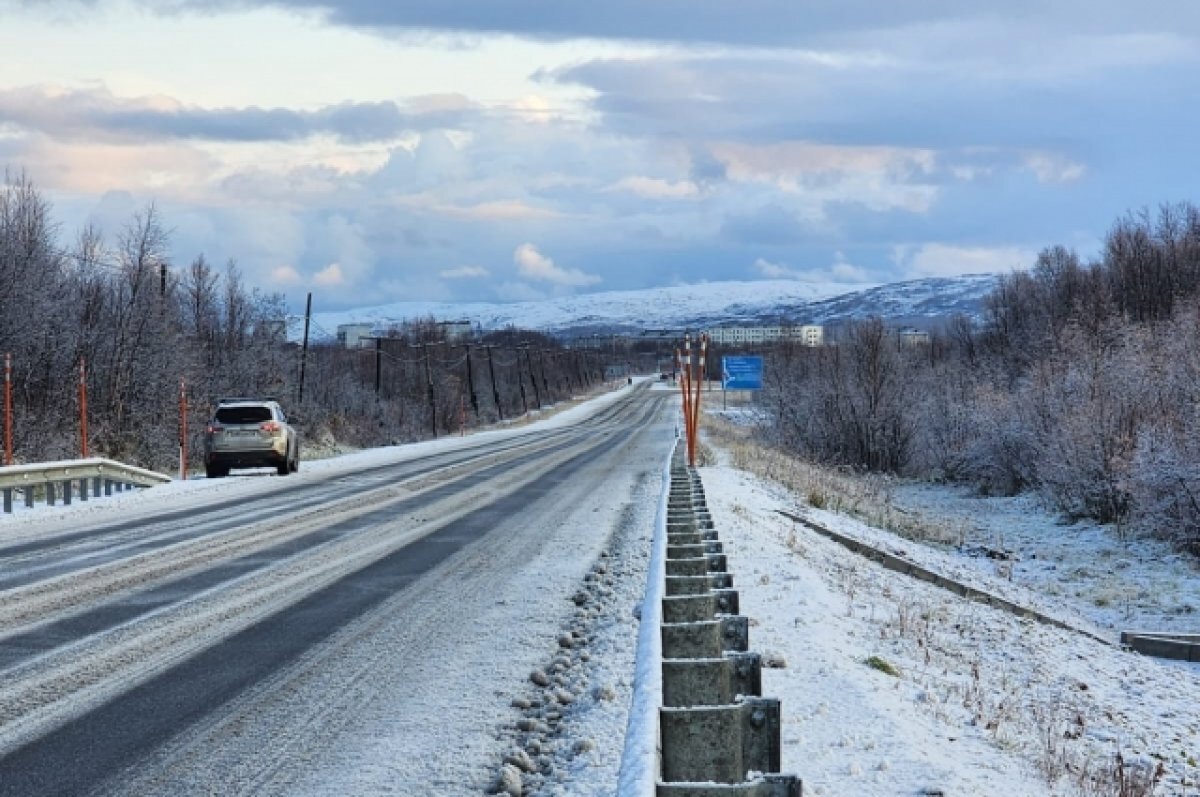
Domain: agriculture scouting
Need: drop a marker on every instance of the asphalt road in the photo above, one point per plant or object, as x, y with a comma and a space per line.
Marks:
263, 643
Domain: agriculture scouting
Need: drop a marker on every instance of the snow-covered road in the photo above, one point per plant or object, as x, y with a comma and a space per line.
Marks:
243, 636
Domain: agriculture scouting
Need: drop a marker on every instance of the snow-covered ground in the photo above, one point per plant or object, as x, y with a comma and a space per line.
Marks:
889, 686
976, 701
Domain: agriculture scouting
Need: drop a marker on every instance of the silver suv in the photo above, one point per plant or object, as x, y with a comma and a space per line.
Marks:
250, 433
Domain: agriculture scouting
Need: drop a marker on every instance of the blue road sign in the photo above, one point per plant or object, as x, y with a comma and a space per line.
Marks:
742, 373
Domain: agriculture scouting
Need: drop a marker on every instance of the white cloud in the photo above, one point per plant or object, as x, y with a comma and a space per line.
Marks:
330, 276
1050, 168
285, 275
500, 210
534, 265
946, 260
774, 271
655, 188
845, 271
841, 270
463, 272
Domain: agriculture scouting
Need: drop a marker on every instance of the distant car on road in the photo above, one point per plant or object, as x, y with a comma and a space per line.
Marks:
250, 433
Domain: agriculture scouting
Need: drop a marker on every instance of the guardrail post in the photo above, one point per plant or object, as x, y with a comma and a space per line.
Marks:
8, 504
66, 487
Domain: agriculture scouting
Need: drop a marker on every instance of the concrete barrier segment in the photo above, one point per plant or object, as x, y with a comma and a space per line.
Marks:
696, 585
699, 608
698, 566
707, 639
689, 536
721, 744
693, 551
1178, 647
711, 682
686, 537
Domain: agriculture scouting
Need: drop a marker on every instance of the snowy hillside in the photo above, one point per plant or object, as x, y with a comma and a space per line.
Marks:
691, 306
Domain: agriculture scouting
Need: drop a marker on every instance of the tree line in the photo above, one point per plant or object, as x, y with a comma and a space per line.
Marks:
138, 326
1082, 384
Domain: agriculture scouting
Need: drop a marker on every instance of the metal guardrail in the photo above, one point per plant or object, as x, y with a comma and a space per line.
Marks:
68, 478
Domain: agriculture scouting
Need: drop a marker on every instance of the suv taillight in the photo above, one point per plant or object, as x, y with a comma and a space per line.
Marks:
270, 426
213, 428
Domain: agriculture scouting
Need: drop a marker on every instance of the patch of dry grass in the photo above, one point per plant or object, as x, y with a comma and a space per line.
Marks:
867, 497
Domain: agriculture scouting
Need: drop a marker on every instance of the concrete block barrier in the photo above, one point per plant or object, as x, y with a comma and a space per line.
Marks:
722, 744
711, 682
701, 519
705, 640
1163, 645
690, 536
698, 566
696, 585
703, 548
701, 607
717, 734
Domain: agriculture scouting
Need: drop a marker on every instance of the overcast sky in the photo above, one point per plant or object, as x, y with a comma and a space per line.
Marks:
513, 149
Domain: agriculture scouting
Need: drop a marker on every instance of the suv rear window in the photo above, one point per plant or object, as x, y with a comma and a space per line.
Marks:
243, 414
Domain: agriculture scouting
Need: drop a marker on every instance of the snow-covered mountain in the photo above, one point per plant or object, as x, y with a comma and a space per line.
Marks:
699, 306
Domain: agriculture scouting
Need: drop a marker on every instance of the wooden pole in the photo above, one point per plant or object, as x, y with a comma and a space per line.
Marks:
183, 430
495, 390
83, 421
8, 434
304, 348
432, 397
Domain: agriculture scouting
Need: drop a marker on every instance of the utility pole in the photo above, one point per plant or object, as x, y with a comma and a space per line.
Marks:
521, 384
542, 364
8, 441
495, 390
83, 424
537, 395
378, 363
183, 429
304, 347
471, 384
429, 381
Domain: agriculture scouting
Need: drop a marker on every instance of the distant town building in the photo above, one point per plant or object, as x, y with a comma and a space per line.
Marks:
809, 334
910, 336
456, 330
274, 328
355, 336
806, 335
616, 371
